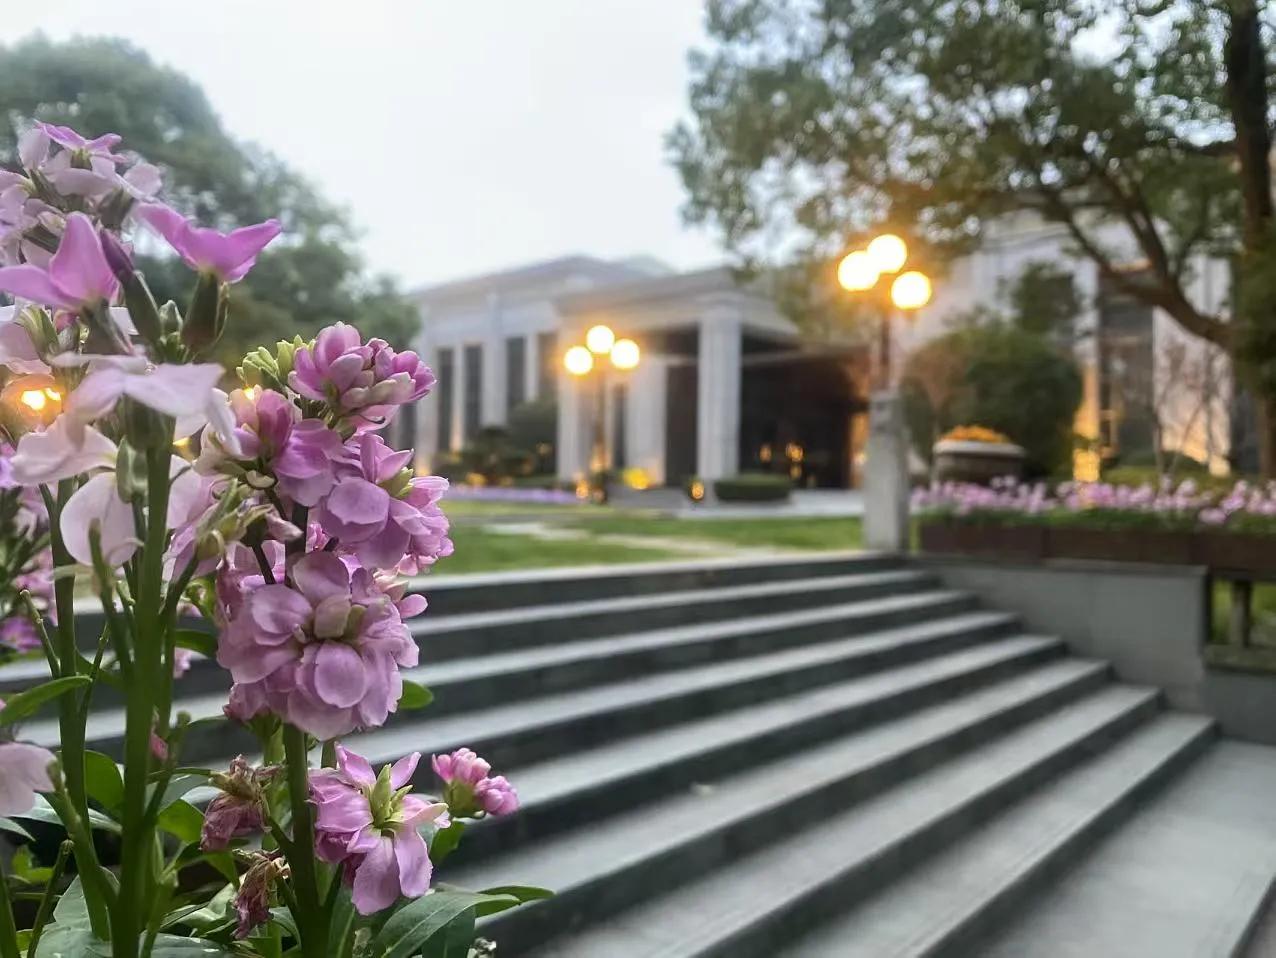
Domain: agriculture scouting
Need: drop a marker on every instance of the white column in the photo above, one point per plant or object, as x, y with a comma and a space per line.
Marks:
886, 489
718, 395
573, 444
645, 417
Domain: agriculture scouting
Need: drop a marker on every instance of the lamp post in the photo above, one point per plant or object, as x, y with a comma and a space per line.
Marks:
861, 270
622, 355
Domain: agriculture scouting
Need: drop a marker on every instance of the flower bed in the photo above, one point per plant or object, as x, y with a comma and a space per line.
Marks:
1235, 531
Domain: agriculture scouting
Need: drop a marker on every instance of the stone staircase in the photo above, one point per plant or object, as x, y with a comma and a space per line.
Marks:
829, 756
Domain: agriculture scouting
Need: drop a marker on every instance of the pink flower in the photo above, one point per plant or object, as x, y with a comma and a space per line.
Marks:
60, 452
68, 138
239, 809
462, 766
380, 513
270, 433
24, 770
468, 790
363, 383
252, 901
97, 505
370, 825
17, 632
228, 255
323, 653
496, 796
77, 276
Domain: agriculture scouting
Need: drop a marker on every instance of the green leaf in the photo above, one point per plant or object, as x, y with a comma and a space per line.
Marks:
283, 918
174, 946
454, 940
102, 778
72, 910
183, 820
213, 913
9, 825
445, 841
415, 696
70, 941
24, 704
24, 867
179, 785
204, 643
521, 893
42, 811
410, 927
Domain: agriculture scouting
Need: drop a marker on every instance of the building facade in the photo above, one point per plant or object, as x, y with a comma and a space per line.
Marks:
727, 384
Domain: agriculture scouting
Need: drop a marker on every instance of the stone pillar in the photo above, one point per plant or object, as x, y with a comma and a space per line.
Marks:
718, 395
573, 422
458, 397
646, 418
886, 487
494, 382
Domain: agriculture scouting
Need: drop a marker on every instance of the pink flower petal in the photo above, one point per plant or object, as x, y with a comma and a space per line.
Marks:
98, 501
376, 880
339, 675
402, 771
413, 859
26, 771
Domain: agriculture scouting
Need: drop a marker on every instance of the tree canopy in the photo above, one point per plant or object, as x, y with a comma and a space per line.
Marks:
814, 121
311, 278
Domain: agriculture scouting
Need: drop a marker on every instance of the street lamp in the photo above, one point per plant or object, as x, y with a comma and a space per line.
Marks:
861, 269
623, 356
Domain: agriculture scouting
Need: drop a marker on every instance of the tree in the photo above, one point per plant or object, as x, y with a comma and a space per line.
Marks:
997, 376
817, 120
312, 278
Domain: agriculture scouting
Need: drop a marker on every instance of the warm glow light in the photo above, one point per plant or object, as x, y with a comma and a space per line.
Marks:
251, 393
696, 490
625, 354
888, 252
600, 339
857, 271
34, 399
578, 360
910, 290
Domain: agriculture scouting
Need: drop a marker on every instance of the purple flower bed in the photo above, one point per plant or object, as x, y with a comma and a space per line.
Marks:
1247, 507
559, 497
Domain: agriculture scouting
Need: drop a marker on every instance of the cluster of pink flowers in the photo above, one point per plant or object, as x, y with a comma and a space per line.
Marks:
1246, 505
26, 561
287, 519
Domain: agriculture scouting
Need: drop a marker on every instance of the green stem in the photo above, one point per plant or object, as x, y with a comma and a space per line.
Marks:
149, 636
46, 903
70, 719
8, 928
312, 919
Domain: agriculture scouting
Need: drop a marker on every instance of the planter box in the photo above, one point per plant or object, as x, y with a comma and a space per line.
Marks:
979, 462
1239, 553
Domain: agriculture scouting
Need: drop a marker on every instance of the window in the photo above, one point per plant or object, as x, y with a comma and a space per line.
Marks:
473, 391
515, 371
547, 360
446, 367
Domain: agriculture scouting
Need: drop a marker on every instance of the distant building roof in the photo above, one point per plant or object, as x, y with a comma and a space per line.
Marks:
543, 276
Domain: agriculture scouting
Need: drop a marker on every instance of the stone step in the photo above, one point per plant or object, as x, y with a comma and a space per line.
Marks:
680, 628
488, 633
487, 592
561, 793
938, 617
949, 901
810, 866
539, 729
1186, 877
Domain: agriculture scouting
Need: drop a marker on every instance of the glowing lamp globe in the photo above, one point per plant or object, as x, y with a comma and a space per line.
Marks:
857, 271
600, 339
888, 252
625, 354
910, 290
578, 360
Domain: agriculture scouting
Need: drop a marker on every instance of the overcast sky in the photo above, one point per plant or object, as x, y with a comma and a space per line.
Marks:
464, 135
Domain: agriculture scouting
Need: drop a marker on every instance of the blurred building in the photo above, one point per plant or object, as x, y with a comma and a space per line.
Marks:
727, 384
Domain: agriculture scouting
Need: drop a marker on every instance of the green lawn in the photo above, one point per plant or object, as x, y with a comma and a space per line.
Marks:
814, 533
480, 550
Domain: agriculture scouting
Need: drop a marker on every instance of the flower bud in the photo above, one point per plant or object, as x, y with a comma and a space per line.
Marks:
206, 317
137, 296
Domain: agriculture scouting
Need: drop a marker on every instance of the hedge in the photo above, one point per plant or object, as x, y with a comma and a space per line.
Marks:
753, 487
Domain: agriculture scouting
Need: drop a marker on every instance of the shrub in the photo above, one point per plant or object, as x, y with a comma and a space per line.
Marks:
1006, 379
753, 487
